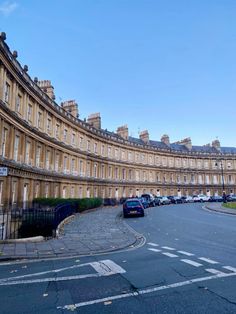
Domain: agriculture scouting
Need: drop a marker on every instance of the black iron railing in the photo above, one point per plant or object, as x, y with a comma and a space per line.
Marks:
18, 222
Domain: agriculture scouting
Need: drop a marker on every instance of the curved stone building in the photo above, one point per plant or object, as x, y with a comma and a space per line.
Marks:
47, 151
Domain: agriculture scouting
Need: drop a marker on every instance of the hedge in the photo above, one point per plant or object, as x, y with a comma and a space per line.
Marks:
81, 203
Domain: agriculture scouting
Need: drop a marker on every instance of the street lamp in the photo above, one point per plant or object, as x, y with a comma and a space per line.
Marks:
222, 179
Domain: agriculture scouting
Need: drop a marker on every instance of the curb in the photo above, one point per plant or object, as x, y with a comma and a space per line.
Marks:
23, 240
62, 223
220, 211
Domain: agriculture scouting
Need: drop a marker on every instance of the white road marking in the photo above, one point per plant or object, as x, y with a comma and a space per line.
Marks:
145, 291
103, 268
230, 268
107, 268
45, 272
169, 254
208, 260
168, 248
188, 261
152, 244
21, 282
154, 250
214, 271
185, 253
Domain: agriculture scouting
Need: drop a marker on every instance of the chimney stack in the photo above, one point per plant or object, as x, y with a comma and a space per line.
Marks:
144, 136
165, 139
94, 119
123, 131
71, 107
47, 88
216, 144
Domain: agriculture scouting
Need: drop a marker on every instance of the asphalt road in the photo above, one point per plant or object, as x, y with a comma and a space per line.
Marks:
187, 265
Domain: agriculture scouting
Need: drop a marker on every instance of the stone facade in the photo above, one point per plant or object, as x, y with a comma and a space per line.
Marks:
50, 152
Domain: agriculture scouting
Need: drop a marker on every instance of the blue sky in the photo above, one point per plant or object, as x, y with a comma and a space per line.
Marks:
163, 65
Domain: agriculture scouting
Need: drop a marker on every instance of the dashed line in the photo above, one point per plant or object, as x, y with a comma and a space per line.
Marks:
169, 254
186, 253
168, 248
230, 268
210, 261
214, 271
154, 250
188, 261
152, 244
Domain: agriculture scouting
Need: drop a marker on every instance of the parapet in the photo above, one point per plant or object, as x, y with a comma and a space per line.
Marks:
123, 131
71, 106
47, 87
144, 136
94, 119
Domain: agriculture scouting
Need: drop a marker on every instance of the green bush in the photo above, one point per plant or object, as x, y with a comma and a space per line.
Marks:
81, 203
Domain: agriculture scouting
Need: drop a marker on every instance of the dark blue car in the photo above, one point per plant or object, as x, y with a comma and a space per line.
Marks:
133, 207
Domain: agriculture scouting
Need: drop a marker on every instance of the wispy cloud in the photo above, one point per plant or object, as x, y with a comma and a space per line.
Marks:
7, 7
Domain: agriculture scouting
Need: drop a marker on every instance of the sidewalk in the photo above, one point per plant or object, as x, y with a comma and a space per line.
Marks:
219, 208
95, 231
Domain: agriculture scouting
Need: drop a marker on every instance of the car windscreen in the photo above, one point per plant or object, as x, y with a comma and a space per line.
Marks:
132, 203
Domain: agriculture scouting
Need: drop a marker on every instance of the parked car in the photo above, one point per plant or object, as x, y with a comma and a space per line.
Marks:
157, 200
231, 198
176, 199
164, 200
144, 202
133, 207
189, 199
201, 198
216, 198
150, 198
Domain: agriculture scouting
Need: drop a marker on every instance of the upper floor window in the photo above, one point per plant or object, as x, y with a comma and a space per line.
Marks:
73, 139
95, 170
95, 148
116, 153
81, 172
81, 142
123, 154
49, 125
88, 145
130, 156
57, 162
157, 160
109, 172
65, 135
57, 131
38, 155
16, 147
72, 165
27, 153
29, 113
47, 159
65, 164
39, 120
7, 93
4, 140
103, 150
109, 151
18, 103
